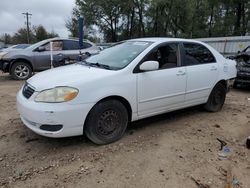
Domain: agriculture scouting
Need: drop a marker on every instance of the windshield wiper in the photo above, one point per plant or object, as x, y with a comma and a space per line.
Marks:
83, 62
101, 65
95, 64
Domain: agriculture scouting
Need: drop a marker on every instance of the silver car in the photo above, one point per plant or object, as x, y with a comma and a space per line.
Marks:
37, 57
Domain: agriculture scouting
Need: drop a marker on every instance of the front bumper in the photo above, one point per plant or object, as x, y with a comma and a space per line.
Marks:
70, 116
4, 65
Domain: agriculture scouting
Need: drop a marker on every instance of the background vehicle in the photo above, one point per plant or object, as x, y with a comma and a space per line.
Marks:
103, 46
243, 67
15, 47
130, 81
22, 63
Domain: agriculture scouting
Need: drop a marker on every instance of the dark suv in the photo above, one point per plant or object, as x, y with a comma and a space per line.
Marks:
243, 67
37, 57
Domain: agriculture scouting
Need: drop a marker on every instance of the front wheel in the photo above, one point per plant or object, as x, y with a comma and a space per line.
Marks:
106, 122
20, 71
216, 99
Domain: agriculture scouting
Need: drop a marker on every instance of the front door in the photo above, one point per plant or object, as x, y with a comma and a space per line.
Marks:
163, 89
42, 59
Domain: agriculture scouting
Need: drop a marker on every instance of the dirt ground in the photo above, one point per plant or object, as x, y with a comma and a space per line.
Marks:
174, 150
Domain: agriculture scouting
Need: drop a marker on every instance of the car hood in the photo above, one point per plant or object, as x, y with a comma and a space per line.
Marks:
15, 52
12, 49
71, 75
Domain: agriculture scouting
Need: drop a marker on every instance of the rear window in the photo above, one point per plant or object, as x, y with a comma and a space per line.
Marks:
70, 45
86, 45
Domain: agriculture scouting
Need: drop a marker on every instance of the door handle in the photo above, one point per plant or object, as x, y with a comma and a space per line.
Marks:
180, 73
213, 68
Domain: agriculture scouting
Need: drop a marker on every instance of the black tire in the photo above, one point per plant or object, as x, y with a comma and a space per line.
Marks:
106, 122
216, 99
20, 71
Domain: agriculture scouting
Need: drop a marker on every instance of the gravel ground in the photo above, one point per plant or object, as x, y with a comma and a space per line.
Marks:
178, 149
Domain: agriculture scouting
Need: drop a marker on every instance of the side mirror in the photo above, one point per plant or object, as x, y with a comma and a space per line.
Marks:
149, 66
41, 49
87, 54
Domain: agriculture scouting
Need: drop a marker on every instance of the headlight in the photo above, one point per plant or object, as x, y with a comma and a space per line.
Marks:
2, 54
57, 95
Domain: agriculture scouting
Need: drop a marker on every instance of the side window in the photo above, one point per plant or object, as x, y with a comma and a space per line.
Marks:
47, 46
57, 46
197, 54
70, 45
166, 55
86, 45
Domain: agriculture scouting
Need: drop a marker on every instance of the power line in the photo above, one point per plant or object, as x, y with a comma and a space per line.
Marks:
27, 24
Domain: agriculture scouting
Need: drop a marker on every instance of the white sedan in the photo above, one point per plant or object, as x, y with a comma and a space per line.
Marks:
136, 79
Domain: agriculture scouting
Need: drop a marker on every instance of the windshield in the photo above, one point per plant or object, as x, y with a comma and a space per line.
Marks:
119, 56
37, 44
21, 46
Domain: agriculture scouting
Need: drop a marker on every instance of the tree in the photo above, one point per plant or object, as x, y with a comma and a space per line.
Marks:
21, 36
120, 20
52, 34
37, 33
6, 39
72, 23
40, 33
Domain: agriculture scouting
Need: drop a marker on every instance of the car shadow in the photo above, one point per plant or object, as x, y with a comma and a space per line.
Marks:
133, 127
165, 118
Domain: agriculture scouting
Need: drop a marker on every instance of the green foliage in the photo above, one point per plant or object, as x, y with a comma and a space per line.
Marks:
21, 36
119, 19
40, 33
72, 24
37, 34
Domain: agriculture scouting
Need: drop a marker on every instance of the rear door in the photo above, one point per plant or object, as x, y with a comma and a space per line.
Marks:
202, 72
72, 49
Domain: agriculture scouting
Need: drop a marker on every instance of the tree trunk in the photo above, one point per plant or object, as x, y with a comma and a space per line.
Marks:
132, 23
155, 28
244, 23
211, 21
238, 19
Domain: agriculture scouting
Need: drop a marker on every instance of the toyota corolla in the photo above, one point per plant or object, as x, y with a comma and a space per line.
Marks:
135, 79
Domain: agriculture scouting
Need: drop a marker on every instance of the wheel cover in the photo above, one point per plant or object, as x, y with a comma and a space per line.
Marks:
22, 71
108, 124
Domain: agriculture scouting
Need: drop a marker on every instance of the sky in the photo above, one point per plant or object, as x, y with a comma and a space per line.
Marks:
52, 14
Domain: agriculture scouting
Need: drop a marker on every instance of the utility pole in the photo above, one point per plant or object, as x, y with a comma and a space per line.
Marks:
27, 24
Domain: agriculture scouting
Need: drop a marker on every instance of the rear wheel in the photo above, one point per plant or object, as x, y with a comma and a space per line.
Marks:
106, 122
21, 71
216, 99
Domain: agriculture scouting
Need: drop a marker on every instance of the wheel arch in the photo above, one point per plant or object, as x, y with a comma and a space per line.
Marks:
223, 82
20, 60
124, 101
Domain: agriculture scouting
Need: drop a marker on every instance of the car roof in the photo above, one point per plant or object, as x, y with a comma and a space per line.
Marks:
164, 39
60, 38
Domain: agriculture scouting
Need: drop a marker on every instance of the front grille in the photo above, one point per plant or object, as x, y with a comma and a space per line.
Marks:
244, 69
27, 91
